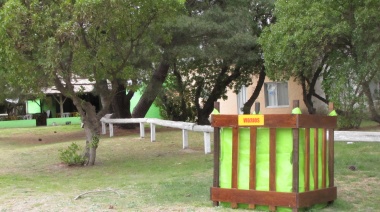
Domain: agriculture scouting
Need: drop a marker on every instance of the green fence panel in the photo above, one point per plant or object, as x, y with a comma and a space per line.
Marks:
284, 166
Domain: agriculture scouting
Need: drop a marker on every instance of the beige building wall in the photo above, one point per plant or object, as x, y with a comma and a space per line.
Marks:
230, 106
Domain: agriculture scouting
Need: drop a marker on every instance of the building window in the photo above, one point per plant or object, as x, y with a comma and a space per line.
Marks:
276, 94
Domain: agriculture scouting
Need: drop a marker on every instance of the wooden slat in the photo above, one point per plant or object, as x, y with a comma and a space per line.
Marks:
216, 160
224, 120
235, 160
307, 159
307, 199
272, 160
272, 163
295, 160
331, 157
324, 162
280, 121
252, 162
254, 197
315, 158
315, 121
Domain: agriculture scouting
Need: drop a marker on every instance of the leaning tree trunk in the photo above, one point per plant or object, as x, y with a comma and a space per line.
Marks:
220, 85
371, 106
248, 105
152, 90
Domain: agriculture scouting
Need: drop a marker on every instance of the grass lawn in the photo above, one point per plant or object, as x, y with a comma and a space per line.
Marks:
133, 174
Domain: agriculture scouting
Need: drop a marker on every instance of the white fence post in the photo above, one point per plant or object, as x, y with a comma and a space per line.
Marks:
207, 143
152, 132
185, 139
111, 129
185, 126
104, 129
142, 130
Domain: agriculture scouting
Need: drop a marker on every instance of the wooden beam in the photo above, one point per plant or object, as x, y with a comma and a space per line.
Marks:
254, 197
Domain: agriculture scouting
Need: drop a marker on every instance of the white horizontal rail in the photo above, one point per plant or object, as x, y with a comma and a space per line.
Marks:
185, 126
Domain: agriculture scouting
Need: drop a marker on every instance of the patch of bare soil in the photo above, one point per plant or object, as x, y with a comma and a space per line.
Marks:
54, 136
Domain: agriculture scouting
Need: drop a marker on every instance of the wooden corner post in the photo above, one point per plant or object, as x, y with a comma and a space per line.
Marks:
216, 153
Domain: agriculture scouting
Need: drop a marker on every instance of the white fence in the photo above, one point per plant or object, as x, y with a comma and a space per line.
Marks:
185, 126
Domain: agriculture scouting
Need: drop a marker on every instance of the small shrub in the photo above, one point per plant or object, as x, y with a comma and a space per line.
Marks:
72, 155
350, 120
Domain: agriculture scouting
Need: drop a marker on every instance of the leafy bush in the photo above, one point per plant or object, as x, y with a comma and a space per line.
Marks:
72, 155
350, 120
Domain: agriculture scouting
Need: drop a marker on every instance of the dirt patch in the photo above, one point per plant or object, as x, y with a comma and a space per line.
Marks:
53, 136
56, 136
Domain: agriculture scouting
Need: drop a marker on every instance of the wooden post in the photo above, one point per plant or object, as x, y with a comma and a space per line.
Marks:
331, 151
296, 103
216, 154
295, 158
257, 107
272, 163
235, 161
316, 158
324, 158
307, 159
252, 162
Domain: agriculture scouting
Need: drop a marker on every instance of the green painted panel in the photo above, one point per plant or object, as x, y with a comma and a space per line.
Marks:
284, 166
18, 123
33, 106
154, 110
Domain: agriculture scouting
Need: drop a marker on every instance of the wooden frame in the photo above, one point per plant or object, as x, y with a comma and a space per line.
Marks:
272, 198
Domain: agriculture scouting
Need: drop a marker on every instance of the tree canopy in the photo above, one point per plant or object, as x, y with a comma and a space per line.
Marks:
215, 47
338, 40
47, 43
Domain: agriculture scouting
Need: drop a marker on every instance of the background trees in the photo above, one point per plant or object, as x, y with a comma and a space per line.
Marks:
214, 48
53, 43
334, 40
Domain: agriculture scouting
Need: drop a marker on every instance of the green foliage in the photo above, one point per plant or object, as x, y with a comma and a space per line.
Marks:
350, 120
73, 155
215, 49
340, 37
95, 141
98, 40
55, 43
174, 101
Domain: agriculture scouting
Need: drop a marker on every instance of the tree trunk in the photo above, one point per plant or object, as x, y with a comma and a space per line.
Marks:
92, 128
248, 105
307, 97
371, 106
121, 105
184, 110
152, 90
221, 84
